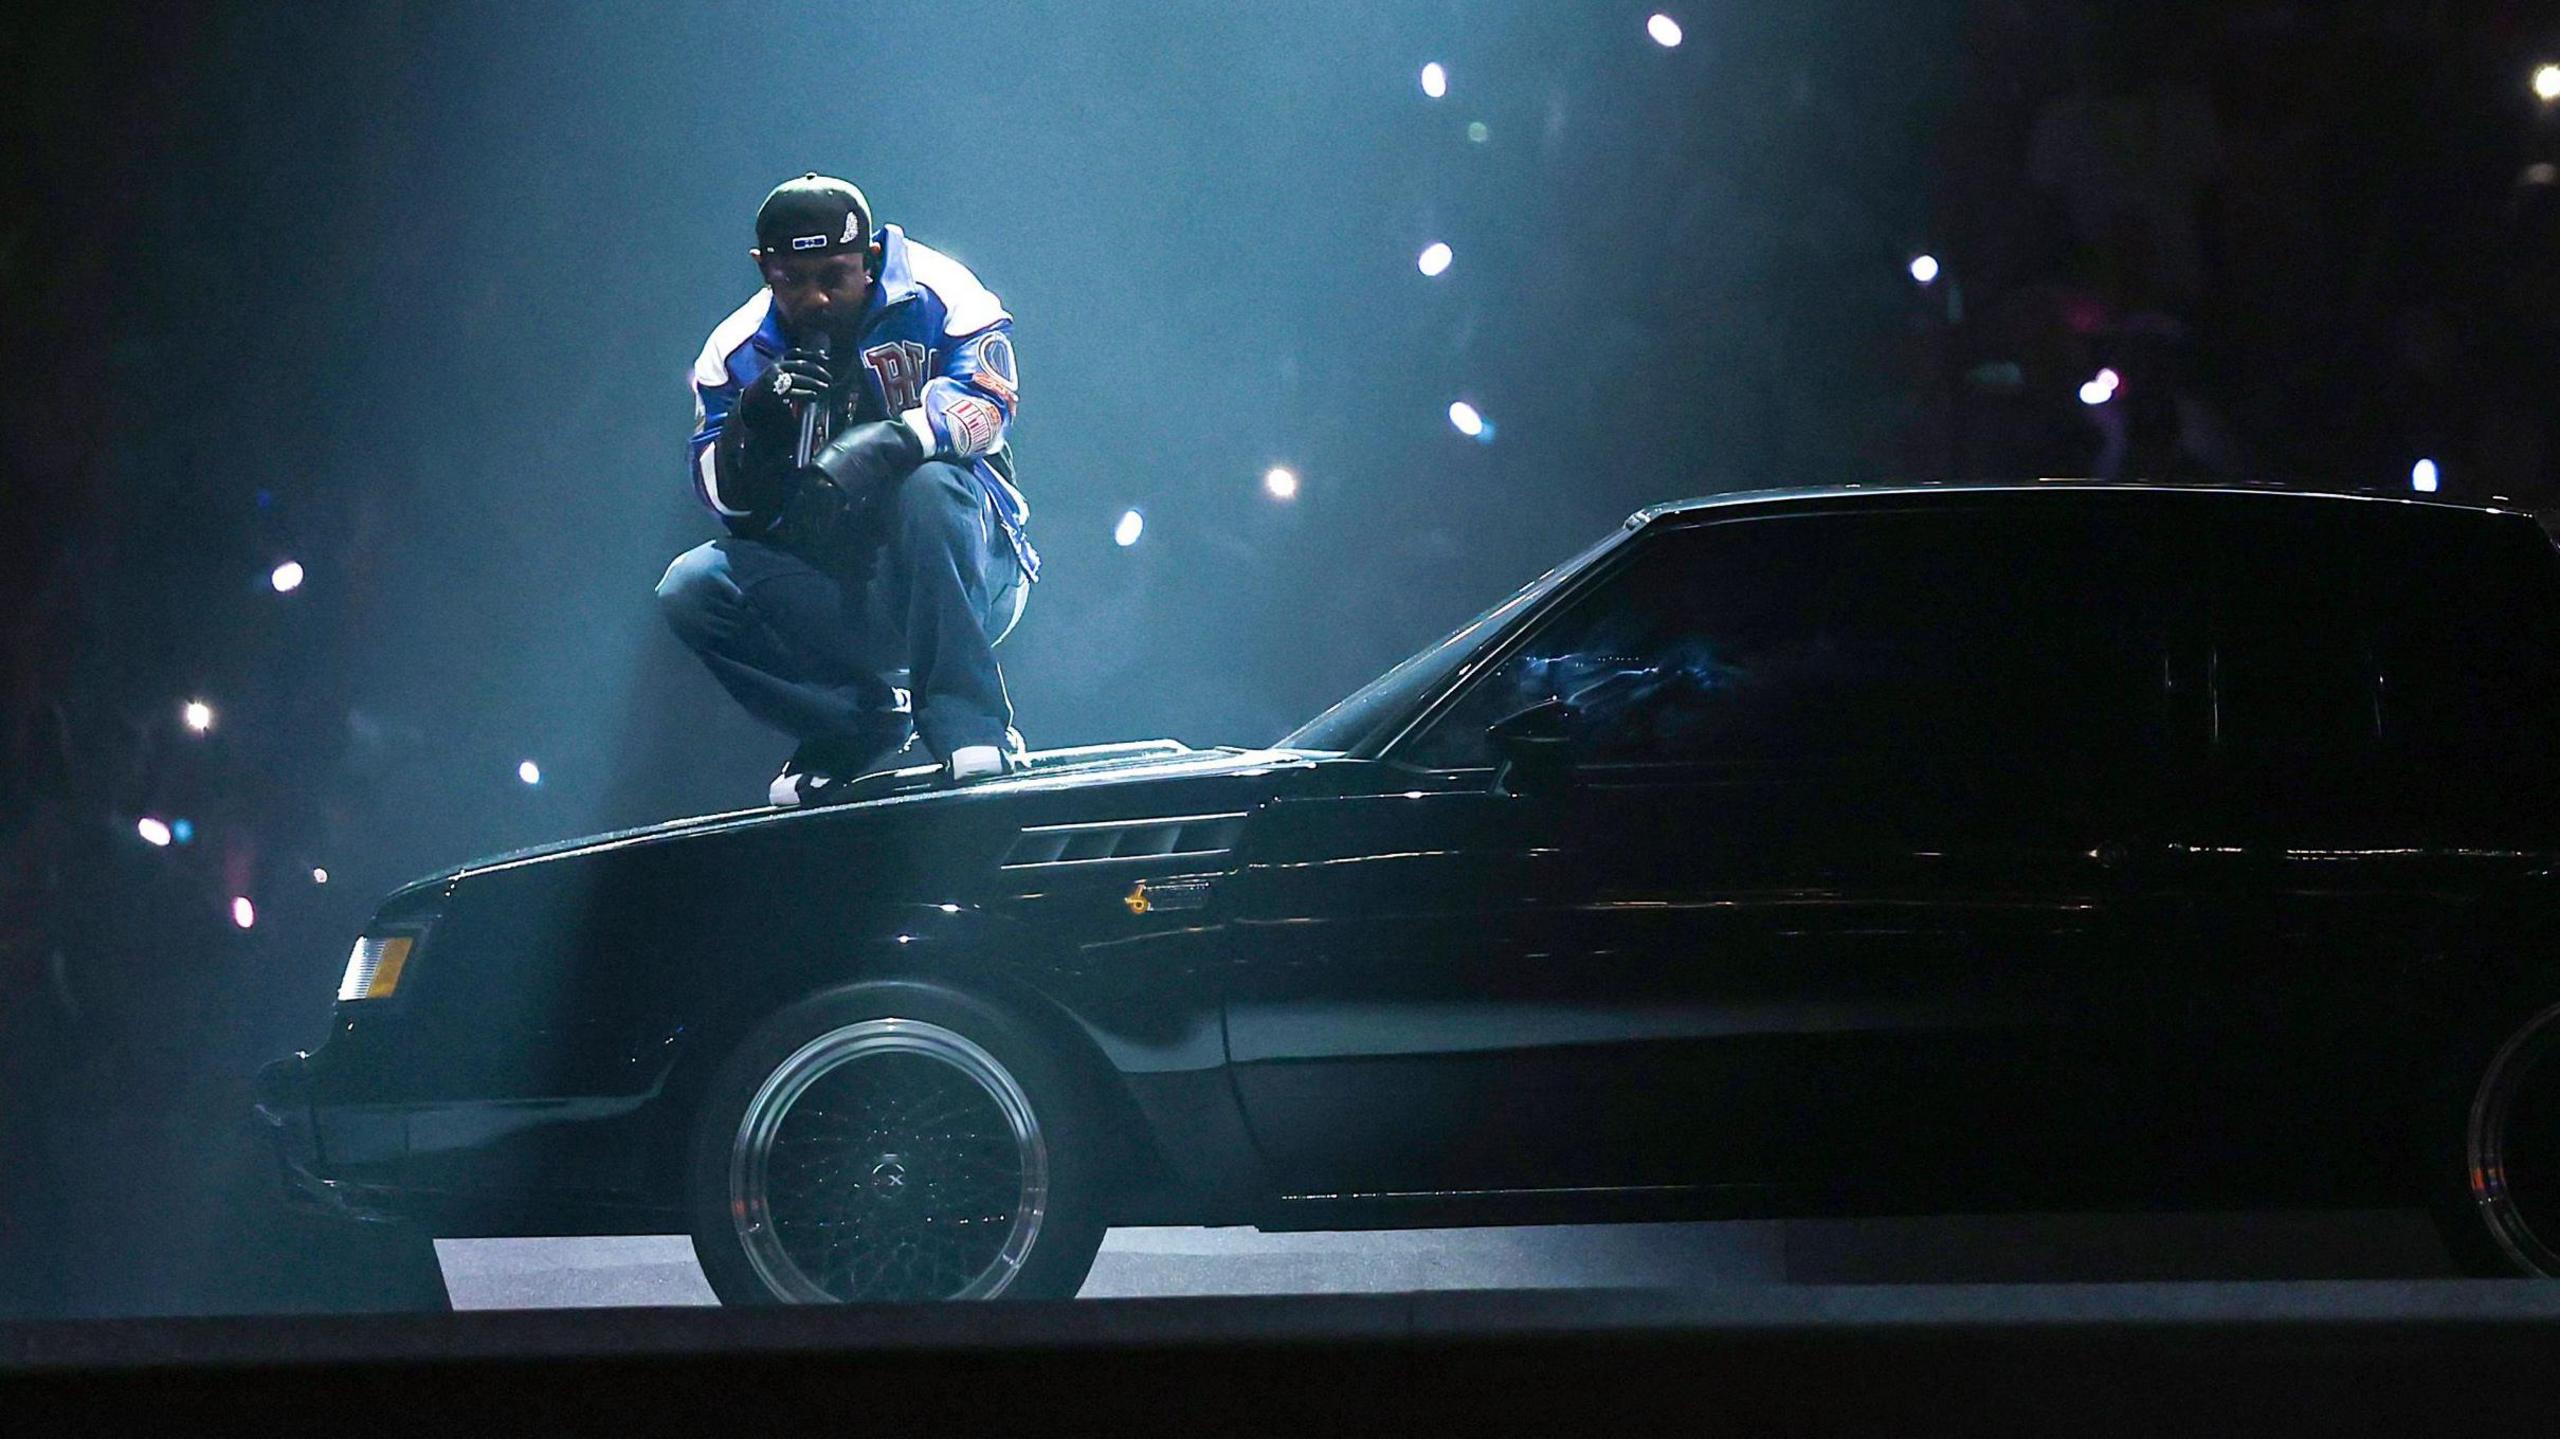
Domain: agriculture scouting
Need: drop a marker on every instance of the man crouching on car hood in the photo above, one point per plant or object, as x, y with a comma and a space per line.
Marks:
850, 427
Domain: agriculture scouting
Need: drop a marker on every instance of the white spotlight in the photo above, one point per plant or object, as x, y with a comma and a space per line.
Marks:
199, 716
319, 876
2546, 83
2423, 476
1664, 30
1280, 482
529, 772
287, 577
243, 913
1435, 258
1435, 81
1464, 416
1924, 268
154, 832
1132, 524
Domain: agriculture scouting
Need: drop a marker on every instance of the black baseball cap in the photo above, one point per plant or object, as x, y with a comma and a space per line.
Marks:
813, 215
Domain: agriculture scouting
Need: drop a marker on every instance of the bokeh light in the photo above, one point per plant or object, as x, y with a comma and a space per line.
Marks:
1435, 81
1468, 422
319, 876
1664, 30
243, 913
2423, 476
1280, 482
154, 832
1434, 258
198, 715
529, 772
1924, 268
2546, 83
286, 577
1132, 524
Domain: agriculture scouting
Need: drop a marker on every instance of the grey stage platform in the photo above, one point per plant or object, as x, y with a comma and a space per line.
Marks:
1137, 1263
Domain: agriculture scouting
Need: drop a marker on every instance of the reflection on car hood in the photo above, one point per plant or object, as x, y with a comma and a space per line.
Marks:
1044, 770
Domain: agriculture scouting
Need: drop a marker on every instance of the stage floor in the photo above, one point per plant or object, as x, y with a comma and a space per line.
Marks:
1134, 1263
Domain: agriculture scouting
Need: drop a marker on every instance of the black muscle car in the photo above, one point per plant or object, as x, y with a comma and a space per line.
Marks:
1817, 851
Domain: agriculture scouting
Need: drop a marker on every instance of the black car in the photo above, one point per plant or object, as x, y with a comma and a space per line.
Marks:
1815, 851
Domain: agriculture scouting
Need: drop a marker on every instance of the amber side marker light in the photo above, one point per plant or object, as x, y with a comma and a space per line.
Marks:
373, 967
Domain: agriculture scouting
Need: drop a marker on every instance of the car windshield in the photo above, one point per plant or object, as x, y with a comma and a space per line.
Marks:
1359, 716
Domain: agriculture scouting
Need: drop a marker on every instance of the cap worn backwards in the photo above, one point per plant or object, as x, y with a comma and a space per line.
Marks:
814, 214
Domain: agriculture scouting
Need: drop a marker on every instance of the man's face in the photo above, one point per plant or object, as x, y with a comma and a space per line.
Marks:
818, 292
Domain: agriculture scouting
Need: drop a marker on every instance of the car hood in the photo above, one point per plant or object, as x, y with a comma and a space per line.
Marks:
1078, 768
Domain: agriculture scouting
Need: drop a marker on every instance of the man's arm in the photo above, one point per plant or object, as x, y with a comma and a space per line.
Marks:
742, 438
968, 408
964, 411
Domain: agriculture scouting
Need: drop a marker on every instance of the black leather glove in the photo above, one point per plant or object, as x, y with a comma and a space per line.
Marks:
867, 458
800, 377
812, 521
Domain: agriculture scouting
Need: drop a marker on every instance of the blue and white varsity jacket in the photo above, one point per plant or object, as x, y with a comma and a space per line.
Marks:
936, 352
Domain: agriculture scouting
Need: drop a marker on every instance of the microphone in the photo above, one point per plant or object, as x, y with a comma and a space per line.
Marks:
817, 345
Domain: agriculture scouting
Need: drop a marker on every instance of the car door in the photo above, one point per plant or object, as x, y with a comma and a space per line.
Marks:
2379, 761
1830, 883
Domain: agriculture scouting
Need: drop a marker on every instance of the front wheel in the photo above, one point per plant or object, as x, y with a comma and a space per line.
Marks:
2502, 1217
895, 1143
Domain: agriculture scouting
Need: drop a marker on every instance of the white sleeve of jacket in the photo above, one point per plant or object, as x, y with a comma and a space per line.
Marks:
968, 408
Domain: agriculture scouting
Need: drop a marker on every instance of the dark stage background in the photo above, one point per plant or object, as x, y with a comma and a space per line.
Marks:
405, 295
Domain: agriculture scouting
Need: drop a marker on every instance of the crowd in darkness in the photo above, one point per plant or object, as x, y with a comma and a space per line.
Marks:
2317, 240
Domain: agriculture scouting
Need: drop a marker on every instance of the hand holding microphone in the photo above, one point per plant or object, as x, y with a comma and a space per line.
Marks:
799, 381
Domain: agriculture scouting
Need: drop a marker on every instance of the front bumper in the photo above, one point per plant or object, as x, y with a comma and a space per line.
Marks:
282, 1105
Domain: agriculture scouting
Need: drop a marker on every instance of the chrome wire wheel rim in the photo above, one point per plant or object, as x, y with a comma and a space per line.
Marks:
888, 1159
2521, 1069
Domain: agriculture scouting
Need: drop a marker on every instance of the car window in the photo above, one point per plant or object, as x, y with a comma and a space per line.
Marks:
1395, 694
2348, 635
1821, 638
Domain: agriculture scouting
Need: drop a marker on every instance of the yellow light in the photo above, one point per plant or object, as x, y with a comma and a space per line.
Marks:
373, 967
386, 975
2546, 83
1137, 899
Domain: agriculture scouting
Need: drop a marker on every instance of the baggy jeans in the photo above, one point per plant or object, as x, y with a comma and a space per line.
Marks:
814, 650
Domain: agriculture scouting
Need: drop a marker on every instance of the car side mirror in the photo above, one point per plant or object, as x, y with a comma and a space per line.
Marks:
1533, 749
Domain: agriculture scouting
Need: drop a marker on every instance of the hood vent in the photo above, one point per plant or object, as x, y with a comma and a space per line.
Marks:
1124, 841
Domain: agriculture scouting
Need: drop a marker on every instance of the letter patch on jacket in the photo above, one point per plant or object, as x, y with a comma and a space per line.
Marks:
900, 367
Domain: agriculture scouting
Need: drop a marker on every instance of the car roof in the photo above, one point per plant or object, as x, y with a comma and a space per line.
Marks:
1834, 496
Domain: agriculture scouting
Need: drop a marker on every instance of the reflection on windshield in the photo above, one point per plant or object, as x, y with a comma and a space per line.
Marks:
1394, 694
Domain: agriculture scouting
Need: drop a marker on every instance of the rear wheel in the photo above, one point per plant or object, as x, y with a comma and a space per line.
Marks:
2503, 1217
896, 1143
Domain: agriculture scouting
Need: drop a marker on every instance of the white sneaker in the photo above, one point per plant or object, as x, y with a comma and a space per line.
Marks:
823, 774
984, 761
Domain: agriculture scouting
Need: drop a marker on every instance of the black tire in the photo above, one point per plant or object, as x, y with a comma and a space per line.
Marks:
2493, 1145
894, 1142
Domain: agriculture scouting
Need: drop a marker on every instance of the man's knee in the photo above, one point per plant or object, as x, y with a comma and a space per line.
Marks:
698, 597
937, 493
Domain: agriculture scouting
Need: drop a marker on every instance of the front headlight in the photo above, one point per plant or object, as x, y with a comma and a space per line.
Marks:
374, 965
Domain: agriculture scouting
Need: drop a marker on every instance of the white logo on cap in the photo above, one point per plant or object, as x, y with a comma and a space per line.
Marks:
808, 242
852, 228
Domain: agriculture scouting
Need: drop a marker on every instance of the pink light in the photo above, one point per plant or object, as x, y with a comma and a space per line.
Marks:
243, 913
